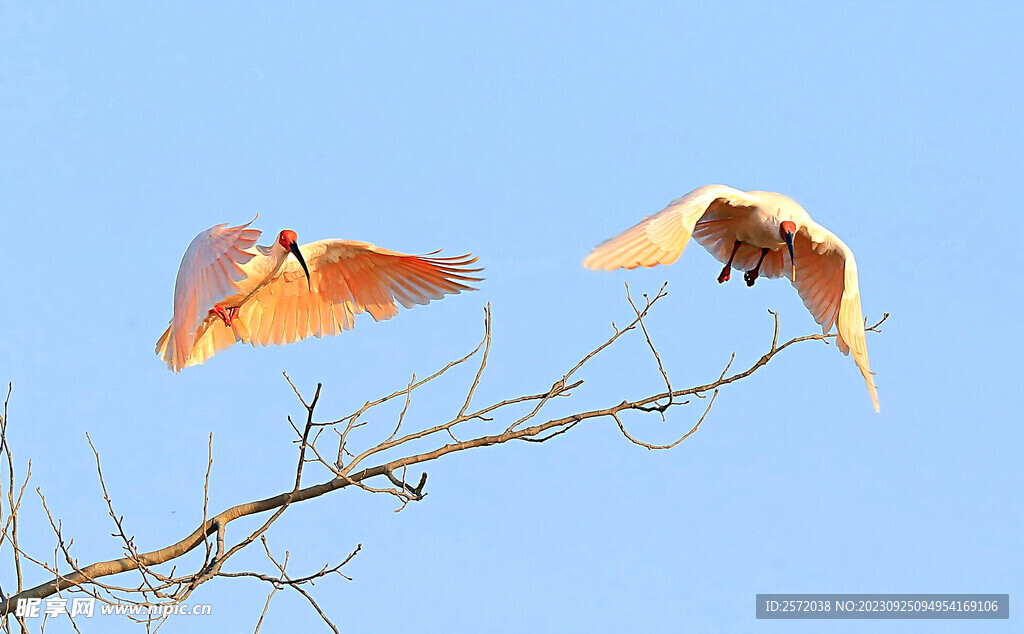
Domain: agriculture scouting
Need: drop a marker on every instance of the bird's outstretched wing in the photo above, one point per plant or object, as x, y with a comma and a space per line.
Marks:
346, 278
661, 238
209, 270
827, 283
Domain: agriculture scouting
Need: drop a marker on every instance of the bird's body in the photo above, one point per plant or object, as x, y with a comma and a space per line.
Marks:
759, 227
259, 271
228, 289
752, 231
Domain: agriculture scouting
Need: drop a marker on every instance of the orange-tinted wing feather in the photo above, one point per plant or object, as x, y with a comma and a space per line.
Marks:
208, 272
211, 337
348, 278
661, 238
827, 282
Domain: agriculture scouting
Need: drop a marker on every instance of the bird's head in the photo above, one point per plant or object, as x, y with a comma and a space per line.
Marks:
287, 238
290, 242
787, 231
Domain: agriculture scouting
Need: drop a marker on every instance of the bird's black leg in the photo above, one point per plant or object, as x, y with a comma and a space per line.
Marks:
751, 275
724, 275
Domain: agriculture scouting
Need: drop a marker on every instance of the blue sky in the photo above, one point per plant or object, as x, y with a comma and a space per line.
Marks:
527, 134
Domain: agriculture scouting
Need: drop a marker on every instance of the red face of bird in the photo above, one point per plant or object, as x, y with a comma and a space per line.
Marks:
290, 241
788, 231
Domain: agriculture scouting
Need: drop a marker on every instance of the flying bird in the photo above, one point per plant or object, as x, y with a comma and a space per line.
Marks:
229, 289
753, 231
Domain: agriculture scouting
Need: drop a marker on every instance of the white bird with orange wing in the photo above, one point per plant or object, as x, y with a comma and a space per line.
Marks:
229, 290
752, 231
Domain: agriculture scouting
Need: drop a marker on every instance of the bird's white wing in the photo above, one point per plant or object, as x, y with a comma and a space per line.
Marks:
827, 282
346, 278
208, 273
661, 238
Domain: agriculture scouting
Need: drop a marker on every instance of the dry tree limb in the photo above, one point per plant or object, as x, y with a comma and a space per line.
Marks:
10, 522
350, 468
283, 580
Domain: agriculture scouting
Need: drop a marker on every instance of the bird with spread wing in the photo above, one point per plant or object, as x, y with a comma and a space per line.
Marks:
228, 289
753, 231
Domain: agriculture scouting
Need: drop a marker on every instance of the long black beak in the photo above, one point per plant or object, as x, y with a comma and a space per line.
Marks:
789, 243
294, 248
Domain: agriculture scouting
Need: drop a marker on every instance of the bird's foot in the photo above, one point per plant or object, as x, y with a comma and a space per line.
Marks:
723, 276
750, 276
227, 316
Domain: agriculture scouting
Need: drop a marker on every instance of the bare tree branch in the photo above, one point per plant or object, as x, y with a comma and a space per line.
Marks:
522, 416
